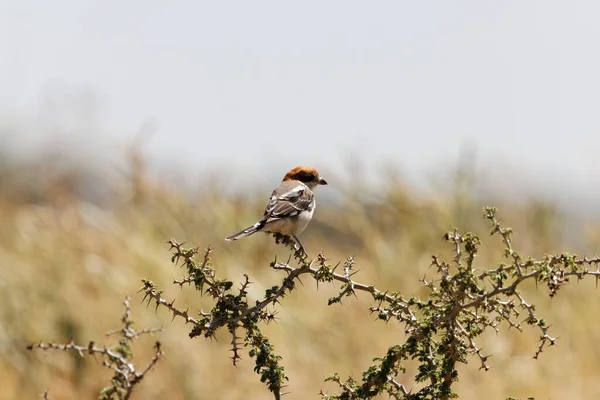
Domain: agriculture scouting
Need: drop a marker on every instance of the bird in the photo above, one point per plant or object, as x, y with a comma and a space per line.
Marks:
290, 207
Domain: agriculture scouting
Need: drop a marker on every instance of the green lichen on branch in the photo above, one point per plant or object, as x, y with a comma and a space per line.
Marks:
232, 310
463, 303
441, 330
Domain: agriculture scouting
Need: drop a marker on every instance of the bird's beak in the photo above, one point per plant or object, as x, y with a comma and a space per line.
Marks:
322, 181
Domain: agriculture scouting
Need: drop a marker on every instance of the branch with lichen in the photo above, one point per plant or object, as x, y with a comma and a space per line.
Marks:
462, 304
118, 358
232, 310
442, 329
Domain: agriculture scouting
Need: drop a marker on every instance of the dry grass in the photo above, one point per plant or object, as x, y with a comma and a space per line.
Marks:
68, 258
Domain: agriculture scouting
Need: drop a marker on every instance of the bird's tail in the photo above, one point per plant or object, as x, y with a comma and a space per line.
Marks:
246, 232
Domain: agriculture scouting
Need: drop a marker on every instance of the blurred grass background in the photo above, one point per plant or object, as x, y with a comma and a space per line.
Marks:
75, 239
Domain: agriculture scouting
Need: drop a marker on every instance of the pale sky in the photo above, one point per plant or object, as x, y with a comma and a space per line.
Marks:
268, 84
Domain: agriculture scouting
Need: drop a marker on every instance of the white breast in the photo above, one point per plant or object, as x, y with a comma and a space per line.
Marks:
304, 218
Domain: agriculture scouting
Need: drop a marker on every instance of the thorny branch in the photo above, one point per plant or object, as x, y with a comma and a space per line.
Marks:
441, 330
461, 306
118, 358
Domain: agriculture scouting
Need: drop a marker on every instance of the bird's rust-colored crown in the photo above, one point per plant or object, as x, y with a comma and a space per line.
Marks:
306, 174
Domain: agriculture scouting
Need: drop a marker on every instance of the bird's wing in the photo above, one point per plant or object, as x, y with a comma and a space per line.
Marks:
288, 200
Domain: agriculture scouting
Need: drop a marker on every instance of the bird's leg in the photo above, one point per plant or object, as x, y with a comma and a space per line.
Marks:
300, 250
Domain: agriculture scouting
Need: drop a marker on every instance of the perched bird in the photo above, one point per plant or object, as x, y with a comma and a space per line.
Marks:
290, 207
